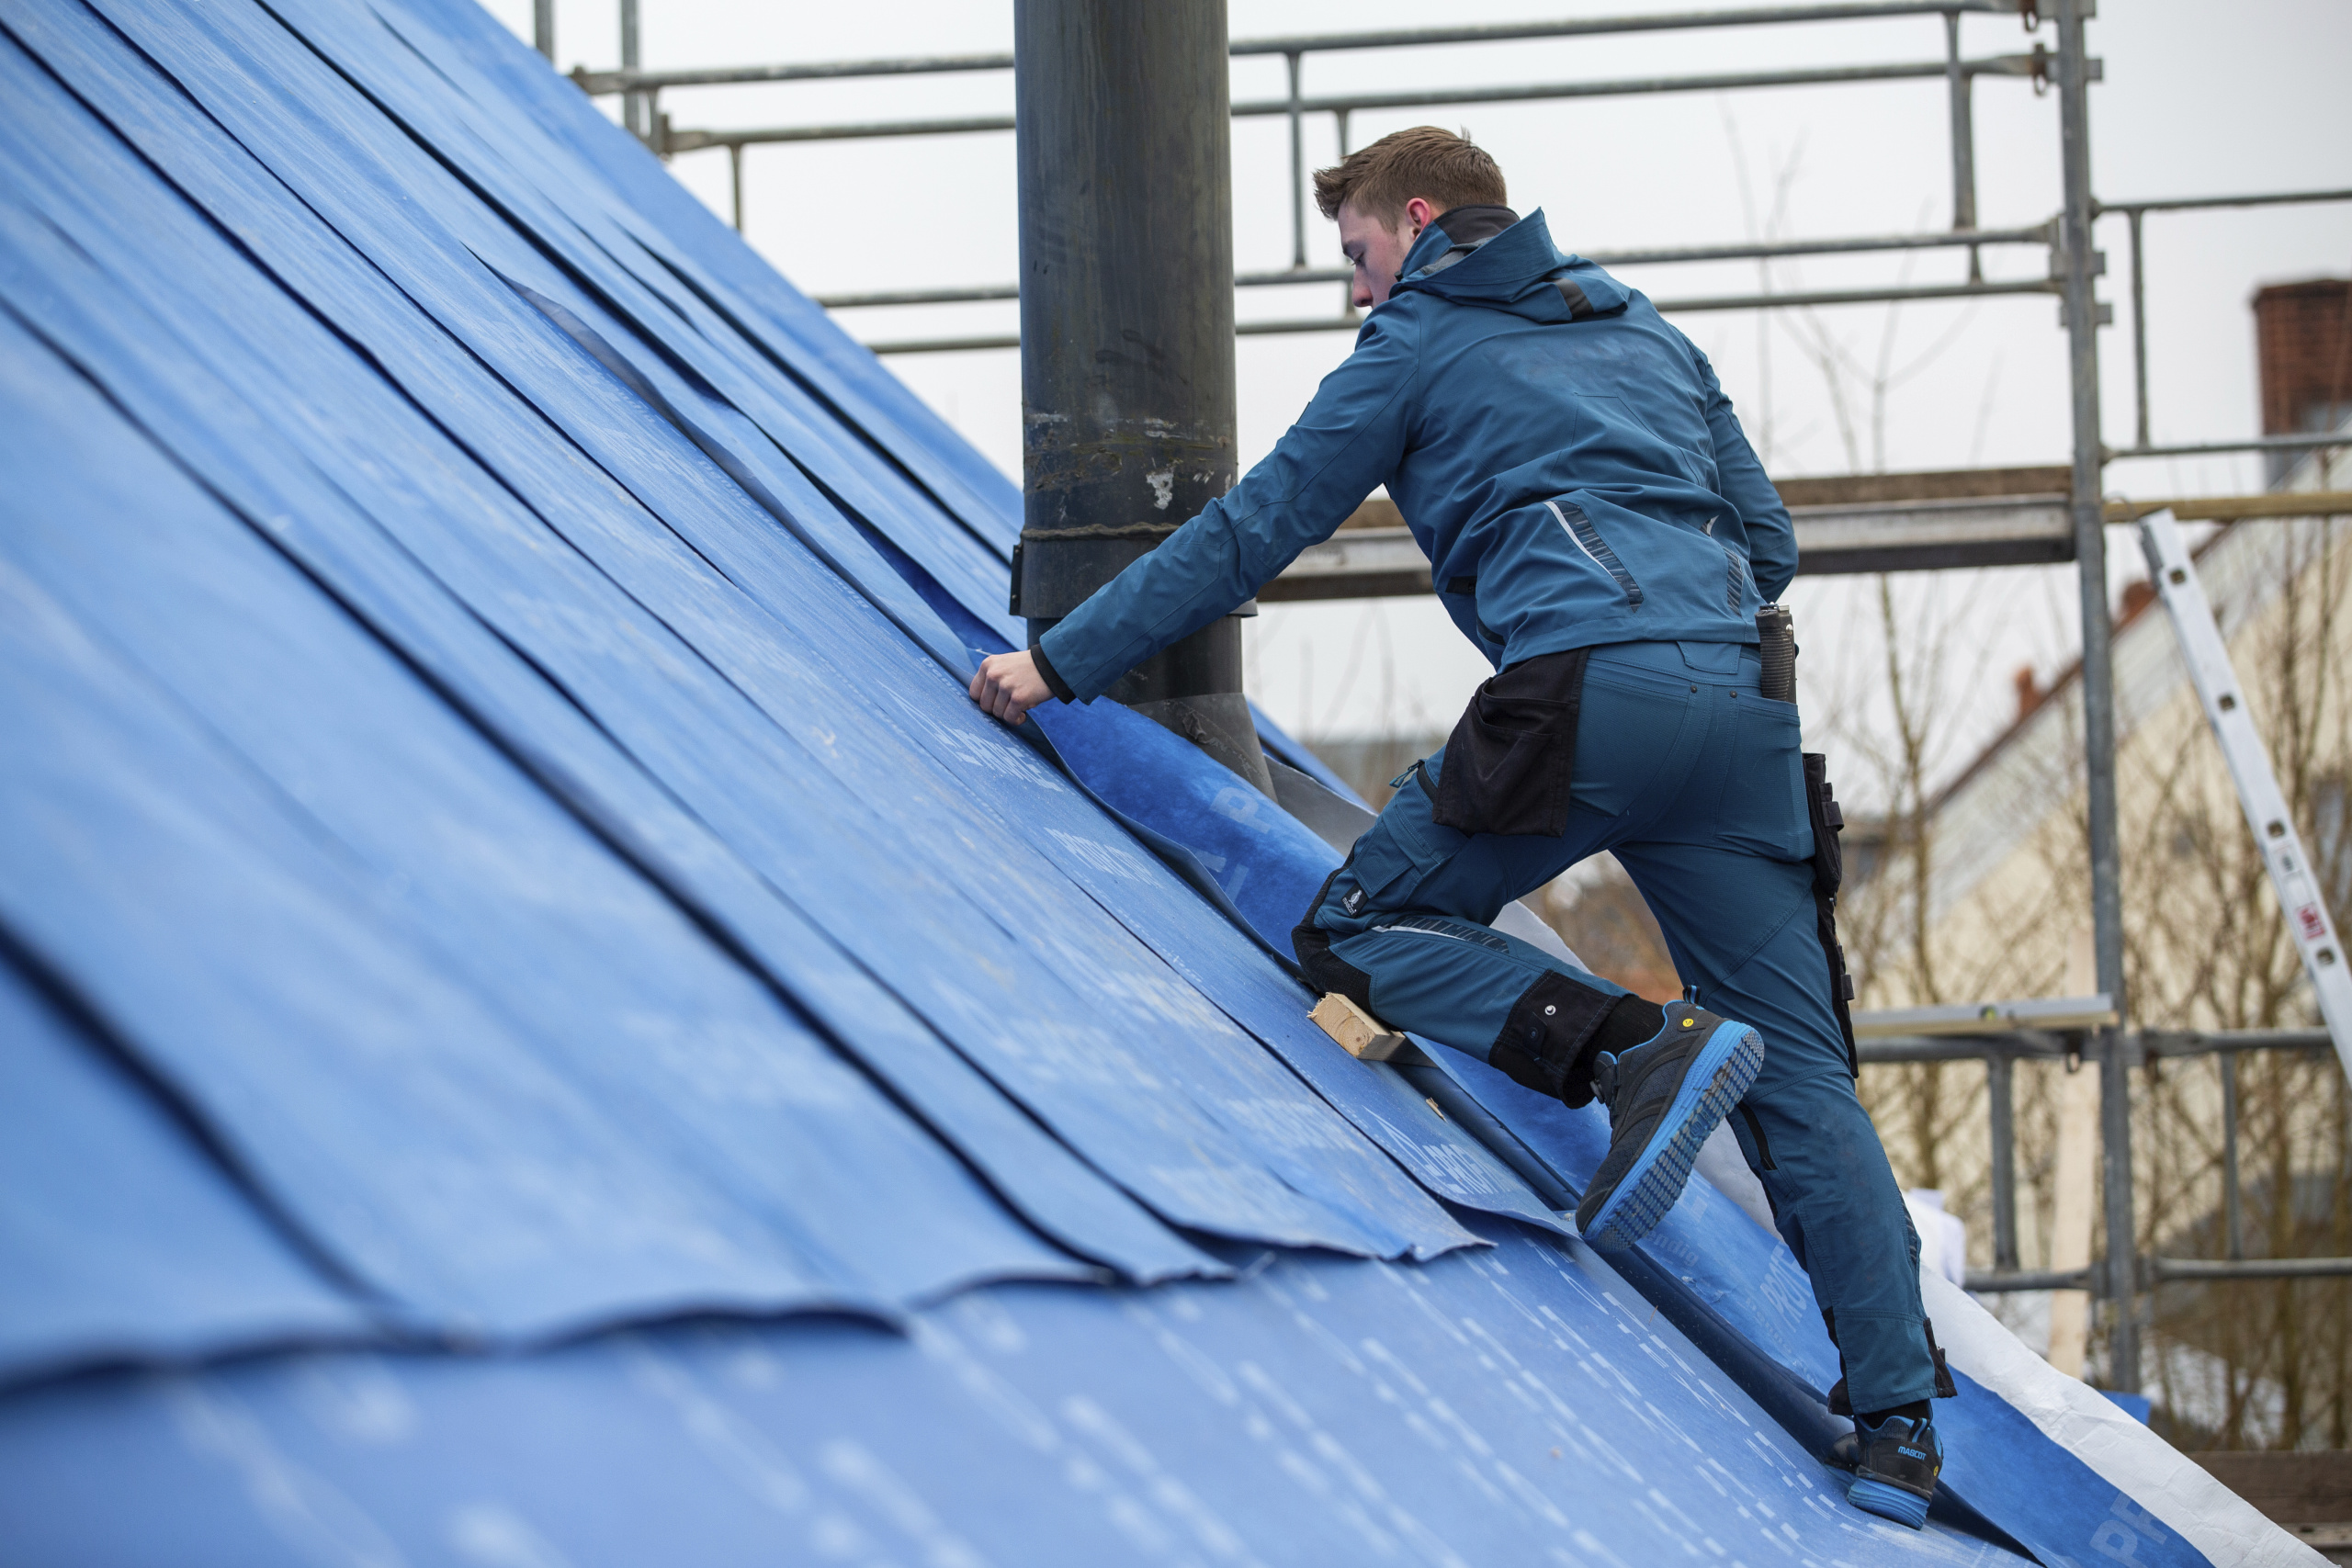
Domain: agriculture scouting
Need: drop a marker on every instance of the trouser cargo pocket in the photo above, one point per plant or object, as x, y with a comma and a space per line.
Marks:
1509, 762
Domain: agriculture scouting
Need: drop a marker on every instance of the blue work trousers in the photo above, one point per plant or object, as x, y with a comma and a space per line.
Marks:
1693, 778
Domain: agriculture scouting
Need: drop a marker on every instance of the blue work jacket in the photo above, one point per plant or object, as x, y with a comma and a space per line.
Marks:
1566, 457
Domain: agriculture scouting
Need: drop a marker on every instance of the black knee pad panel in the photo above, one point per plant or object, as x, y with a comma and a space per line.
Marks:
1557, 1026
1324, 971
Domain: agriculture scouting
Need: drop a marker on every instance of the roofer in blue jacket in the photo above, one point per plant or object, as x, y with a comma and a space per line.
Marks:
1597, 525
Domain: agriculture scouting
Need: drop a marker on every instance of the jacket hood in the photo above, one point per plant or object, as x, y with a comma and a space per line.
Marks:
1519, 270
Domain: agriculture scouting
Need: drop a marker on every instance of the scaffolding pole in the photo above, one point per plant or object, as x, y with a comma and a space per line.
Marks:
2078, 275
633, 102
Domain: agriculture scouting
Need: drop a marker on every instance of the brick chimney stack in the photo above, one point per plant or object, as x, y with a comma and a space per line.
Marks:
2029, 691
2303, 338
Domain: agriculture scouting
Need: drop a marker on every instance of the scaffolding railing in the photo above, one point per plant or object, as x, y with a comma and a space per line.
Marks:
641, 89
2000, 1051
2134, 213
2073, 266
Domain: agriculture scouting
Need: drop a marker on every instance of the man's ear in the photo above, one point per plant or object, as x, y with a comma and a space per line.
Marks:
1419, 214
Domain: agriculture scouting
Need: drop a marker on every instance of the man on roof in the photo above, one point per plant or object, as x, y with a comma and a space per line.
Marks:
1598, 527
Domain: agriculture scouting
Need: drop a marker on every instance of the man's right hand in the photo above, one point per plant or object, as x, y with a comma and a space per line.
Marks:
1008, 685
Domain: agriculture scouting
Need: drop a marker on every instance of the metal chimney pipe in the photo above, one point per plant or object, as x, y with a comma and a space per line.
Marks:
1123, 115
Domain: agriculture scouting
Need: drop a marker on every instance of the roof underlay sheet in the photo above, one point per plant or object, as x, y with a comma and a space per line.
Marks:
538, 1024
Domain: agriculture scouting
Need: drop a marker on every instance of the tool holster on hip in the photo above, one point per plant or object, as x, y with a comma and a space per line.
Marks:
1829, 872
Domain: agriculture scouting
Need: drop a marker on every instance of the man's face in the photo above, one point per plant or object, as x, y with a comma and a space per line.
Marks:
1376, 249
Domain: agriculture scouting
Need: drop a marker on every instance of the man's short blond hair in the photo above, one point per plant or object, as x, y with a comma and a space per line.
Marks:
1440, 167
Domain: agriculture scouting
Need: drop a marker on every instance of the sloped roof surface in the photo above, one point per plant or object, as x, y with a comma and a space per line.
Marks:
526, 985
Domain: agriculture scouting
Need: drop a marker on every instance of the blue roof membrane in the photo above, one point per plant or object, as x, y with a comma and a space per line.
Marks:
245, 454
675, 324
88, 1159
1514, 1405
528, 136
532, 115
760, 706
751, 657
620, 258
1999, 1466
491, 656
367, 776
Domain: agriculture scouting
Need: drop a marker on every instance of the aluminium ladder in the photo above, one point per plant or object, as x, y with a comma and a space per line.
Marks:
2265, 808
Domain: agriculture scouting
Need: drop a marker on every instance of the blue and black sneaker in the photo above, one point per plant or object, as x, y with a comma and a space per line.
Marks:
1664, 1096
1895, 1465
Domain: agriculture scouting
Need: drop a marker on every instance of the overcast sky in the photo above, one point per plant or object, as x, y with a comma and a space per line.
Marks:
2196, 100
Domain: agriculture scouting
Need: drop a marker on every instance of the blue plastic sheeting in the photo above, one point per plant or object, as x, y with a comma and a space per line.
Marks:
516, 146
1266, 863
1518, 1405
1251, 857
538, 121
739, 418
88, 1162
710, 394
1998, 1464
1071, 1077
866, 832
245, 454
578, 962
636, 274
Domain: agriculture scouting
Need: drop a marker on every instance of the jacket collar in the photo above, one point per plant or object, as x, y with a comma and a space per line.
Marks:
1459, 232
1474, 226
1519, 270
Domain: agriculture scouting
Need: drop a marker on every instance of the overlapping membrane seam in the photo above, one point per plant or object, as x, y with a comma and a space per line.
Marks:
968, 492
279, 514
647, 280
1389, 1129
1518, 1204
656, 364
539, 741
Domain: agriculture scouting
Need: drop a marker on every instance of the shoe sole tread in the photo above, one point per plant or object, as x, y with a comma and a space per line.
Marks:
1888, 1502
1657, 1179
